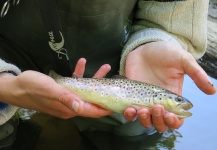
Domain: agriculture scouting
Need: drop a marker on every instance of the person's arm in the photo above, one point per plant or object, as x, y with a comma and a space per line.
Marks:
7, 71
168, 37
182, 23
37, 91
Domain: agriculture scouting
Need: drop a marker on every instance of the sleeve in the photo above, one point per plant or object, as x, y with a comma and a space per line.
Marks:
182, 22
6, 110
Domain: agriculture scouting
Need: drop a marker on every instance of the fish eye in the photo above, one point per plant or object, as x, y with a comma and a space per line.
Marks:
179, 99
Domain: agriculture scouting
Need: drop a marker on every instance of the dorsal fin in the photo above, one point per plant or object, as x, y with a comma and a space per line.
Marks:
74, 76
54, 75
119, 77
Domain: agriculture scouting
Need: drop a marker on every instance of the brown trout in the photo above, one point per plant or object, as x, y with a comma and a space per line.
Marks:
118, 94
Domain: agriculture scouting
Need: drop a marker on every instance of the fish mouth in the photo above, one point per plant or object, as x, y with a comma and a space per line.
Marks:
184, 114
187, 106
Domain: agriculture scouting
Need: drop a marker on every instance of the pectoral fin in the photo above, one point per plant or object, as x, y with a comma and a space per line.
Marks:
119, 77
139, 106
101, 105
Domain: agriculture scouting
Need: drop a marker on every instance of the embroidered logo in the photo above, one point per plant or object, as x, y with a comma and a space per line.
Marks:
58, 47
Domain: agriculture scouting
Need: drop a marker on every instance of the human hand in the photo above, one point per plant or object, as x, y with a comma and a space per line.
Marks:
34, 90
163, 64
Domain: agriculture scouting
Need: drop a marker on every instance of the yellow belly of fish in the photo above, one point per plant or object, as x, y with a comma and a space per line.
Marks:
104, 101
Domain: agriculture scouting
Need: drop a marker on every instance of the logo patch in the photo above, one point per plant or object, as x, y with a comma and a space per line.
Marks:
58, 47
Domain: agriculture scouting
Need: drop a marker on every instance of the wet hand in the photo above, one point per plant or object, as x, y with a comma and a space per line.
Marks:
163, 64
37, 91
156, 117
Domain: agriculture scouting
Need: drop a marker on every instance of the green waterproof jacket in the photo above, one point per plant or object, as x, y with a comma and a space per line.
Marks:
95, 30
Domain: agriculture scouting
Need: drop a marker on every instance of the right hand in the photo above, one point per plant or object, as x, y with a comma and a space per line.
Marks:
37, 91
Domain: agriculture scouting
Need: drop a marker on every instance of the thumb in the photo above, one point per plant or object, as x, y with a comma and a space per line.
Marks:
197, 74
81, 108
69, 99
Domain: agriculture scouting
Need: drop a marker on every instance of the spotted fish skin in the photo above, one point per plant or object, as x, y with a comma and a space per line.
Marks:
118, 94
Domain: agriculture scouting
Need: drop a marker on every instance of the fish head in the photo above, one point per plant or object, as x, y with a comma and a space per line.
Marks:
174, 103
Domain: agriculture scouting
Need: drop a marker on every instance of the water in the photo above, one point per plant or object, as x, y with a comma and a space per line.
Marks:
197, 133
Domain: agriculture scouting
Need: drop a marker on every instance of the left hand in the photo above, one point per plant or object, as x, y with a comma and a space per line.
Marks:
163, 64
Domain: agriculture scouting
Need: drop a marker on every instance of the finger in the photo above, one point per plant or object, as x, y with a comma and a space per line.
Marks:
201, 79
67, 98
103, 70
89, 110
61, 111
77, 106
172, 121
130, 114
144, 117
158, 118
80, 68
81, 108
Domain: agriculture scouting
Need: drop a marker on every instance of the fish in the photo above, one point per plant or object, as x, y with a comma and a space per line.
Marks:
118, 94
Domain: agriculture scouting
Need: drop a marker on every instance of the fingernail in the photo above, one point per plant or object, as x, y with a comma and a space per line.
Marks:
169, 120
157, 112
75, 105
143, 116
130, 115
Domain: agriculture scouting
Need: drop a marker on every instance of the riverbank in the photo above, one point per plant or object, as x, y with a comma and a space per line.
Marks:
209, 61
